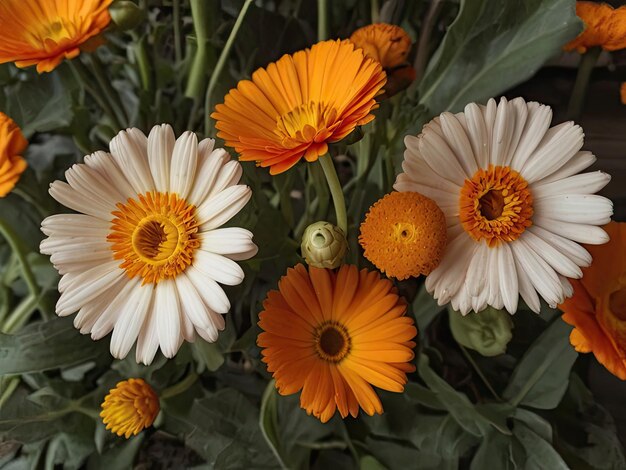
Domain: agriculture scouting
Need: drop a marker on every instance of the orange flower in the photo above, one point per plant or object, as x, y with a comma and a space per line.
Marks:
299, 104
130, 407
404, 235
12, 144
604, 26
597, 309
44, 32
386, 43
333, 335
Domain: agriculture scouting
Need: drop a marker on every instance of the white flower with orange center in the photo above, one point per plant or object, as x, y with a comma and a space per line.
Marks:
515, 206
146, 252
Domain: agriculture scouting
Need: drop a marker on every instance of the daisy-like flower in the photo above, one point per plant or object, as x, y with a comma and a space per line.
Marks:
44, 32
333, 335
385, 43
130, 407
604, 27
515, 207
597, 309
404, 235
298, 105
12, 145
146, 252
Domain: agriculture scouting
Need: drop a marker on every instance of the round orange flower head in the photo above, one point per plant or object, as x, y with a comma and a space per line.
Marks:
597, 310
44, 32
404, 235
334, 334
385, 43
604, 27
298, 105
12, 144
130, 407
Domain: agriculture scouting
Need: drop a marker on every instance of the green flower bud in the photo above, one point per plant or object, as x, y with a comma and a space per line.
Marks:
126, 14
487, 332
324, 245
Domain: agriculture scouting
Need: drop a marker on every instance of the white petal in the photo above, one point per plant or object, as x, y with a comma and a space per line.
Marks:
418, 171
440, 158
131, 319
192, 303
495, 296
459, 142
449, 276
187, 330
205, 147
228, 241
184, 164
447, 202
108, 318
585, 183
105, 165
489, 115
218, 210
575, 208
71, 198
558, 261
508, 277
580, 233
160, 148
90, 312
477, 271
168, 317
571, 249
75, 225
130, 151
537, 124
229, 175
526, 289
519, 109
218, 268
148, 340
478, 135
212, 294
504, 125
579, 162
88, 181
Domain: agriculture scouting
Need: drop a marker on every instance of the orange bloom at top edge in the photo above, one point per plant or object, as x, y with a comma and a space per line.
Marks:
386, 43
298, 105
597, 309
44, 32
334, 334
12, 145
604, 27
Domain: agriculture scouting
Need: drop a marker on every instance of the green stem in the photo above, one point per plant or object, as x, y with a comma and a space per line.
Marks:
423, 45
201, 14
219, 67
322, 20
178, 46
31, 200
375, 10
579, 93
20, 316
143, 62
8, 388
110, 93
479, 372
16, 245
336, 191
180, 387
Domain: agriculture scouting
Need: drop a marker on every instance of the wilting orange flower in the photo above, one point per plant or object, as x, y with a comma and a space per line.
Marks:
299, 104
598, 307
604, 26
333, 335
386, 43
404, 235
44, 32
12, 144
130, 407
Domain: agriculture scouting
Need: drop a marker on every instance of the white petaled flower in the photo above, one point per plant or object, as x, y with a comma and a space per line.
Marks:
516, 207
145, 253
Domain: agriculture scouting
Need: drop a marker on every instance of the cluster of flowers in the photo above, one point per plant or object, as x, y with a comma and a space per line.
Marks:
490, 206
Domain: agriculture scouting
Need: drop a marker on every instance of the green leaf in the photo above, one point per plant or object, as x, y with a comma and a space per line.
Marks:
268, 420
542, 375
494, 452
119, 456
368, 462
492, 46
208, 354
47, 345
540, 453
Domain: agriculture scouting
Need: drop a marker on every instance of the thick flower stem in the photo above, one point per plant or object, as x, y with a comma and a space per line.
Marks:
579, 93
336, 191
178, 46
322, 20
14, 242
221, 62
111, 94
201, 14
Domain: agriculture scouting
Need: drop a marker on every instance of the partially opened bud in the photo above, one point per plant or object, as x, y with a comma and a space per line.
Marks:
324, 245
487, 332
126, 14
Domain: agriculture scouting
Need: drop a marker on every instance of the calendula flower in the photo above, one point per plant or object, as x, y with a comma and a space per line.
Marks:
385, 43
515, 207
298, 105
333, 335
130, 407
404, 235
604, 27
146, 252
597, 310
44, 32
12, 145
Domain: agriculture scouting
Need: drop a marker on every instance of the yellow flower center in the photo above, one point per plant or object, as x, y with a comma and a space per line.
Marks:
304, 122
496, 205
155, 236
404, 232
332, 342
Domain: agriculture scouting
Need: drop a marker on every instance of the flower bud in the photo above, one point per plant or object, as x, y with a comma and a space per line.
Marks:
126, 14
324, 245
487, 332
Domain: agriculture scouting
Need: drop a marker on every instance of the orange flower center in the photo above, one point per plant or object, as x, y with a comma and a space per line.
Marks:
496, 205
305, 122
156, 236
332, 342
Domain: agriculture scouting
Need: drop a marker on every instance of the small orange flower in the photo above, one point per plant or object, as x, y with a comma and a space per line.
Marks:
597, 309
44, 32
298, 105
12, 144
386, 43
404, 235
333, 335
130, 407
604, 27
